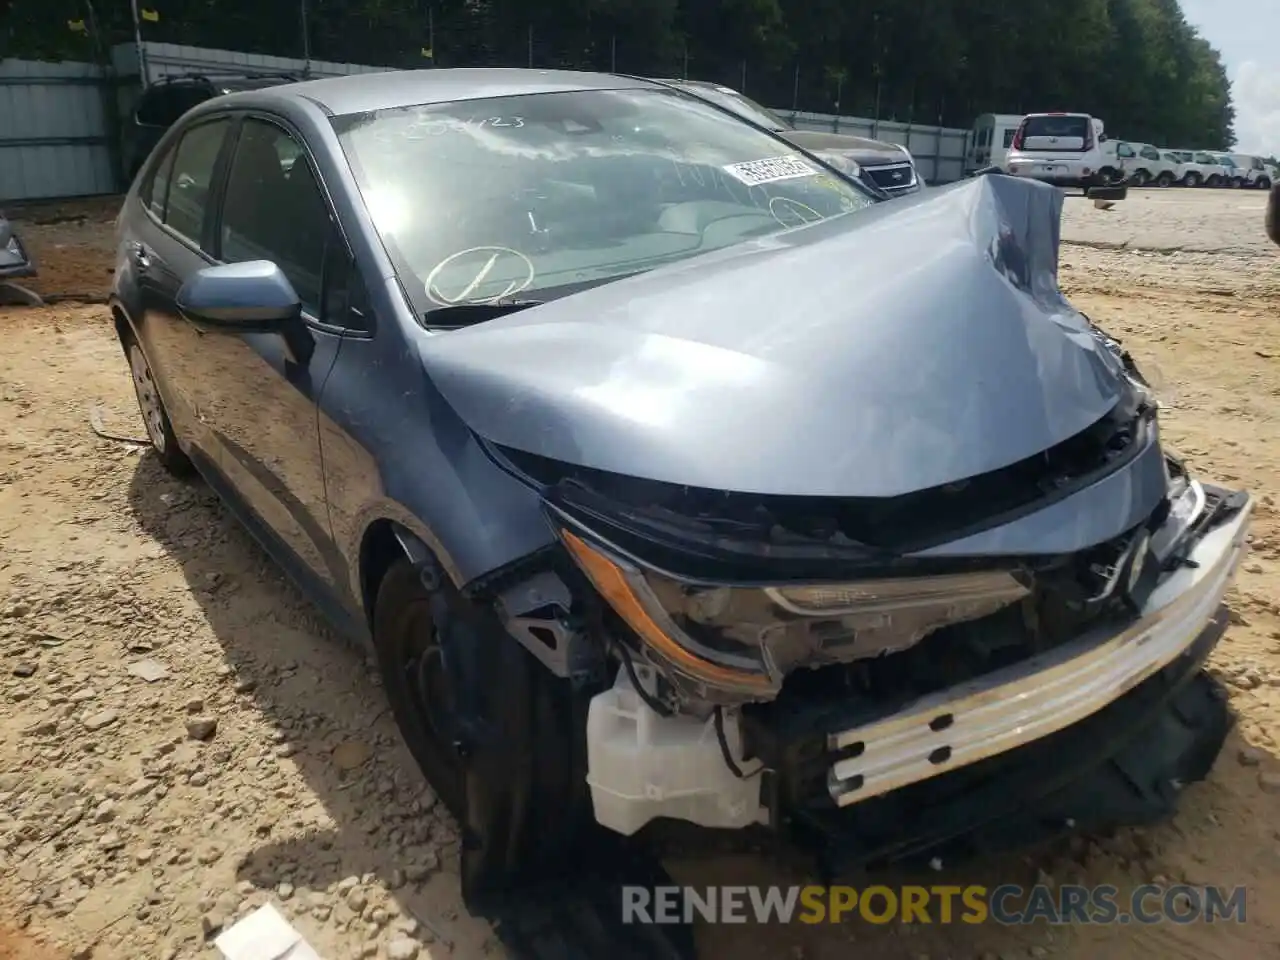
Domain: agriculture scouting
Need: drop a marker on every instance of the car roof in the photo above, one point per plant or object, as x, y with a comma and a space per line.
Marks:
361, 92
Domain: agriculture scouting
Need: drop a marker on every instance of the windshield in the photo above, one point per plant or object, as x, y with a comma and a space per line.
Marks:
536, 196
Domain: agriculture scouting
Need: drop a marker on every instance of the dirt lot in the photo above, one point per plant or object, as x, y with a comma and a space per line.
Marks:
136, 617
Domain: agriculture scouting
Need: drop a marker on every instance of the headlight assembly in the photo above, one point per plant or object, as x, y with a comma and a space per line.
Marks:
745, 640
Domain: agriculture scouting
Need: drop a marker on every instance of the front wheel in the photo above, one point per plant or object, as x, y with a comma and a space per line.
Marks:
417, 680
151, 406
1264, 183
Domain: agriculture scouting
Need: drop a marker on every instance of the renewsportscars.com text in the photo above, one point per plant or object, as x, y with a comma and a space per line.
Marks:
1009, 904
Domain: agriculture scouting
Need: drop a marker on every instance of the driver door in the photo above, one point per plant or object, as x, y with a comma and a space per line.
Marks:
261, 395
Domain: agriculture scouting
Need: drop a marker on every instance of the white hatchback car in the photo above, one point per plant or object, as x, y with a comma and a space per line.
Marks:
1060, 148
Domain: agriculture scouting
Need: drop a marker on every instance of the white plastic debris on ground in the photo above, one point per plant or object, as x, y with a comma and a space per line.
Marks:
264, 935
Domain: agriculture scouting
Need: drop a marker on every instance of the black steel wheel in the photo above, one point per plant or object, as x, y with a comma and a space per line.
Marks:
416, 676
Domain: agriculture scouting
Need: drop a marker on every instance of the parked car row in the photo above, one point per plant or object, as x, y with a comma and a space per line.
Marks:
1073, 149
1142, 164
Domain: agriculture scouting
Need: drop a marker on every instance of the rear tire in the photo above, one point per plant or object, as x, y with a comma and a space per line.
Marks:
1264, 183
155, 417
1165, 179
1140, 178
1192, 179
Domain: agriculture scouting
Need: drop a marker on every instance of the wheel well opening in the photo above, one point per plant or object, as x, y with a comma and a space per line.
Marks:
121, 322
379, 550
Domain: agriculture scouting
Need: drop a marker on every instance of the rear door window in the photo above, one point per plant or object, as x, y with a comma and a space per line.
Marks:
1055, 133
1150, 153
192, 176
155, 193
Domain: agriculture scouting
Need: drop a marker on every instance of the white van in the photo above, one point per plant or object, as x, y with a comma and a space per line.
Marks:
1059, 148
1256, 174
1202, 168
1140, 164
990, 140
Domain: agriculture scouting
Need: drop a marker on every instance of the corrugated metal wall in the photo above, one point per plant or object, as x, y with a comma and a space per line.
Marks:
938, 151
56, 138
167, 59
54, 134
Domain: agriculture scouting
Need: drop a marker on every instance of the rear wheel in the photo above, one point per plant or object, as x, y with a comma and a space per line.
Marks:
1192, 179
1165, 179
1140, 178
1109, 176
1213, 180
151, 406
1264, 183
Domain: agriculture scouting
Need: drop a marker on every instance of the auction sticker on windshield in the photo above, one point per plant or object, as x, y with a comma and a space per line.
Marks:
770, 170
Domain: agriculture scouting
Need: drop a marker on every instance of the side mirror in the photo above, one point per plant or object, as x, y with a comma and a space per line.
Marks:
1107, 193
250, 297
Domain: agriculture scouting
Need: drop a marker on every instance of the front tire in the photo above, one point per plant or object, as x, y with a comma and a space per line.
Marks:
152, 409
415, 677
1264, 183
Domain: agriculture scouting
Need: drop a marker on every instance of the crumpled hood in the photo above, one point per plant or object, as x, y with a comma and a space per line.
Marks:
860, 149
913, 344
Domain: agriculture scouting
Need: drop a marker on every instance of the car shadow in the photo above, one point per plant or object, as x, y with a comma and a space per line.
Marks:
375, 816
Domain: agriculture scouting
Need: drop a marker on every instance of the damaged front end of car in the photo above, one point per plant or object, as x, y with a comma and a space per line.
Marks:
906, 577
785, 662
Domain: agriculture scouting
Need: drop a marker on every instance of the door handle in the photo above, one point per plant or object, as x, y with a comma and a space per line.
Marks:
140, 255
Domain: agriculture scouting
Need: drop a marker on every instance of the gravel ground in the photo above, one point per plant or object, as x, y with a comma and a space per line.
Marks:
182, 739
1224, 222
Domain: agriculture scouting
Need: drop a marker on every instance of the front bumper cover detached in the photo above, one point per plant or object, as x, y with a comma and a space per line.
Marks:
1043, 694
1100, 733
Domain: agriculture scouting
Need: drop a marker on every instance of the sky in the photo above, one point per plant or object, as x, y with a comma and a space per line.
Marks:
1247, 34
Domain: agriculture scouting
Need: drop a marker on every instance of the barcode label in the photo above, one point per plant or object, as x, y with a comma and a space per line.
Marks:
770, 170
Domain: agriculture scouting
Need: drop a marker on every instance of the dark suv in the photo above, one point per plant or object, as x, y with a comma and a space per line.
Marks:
164, 101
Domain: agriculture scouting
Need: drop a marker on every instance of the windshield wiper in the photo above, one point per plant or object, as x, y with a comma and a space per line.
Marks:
463, 314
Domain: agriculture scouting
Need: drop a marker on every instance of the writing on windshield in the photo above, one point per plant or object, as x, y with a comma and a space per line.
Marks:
479, 201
